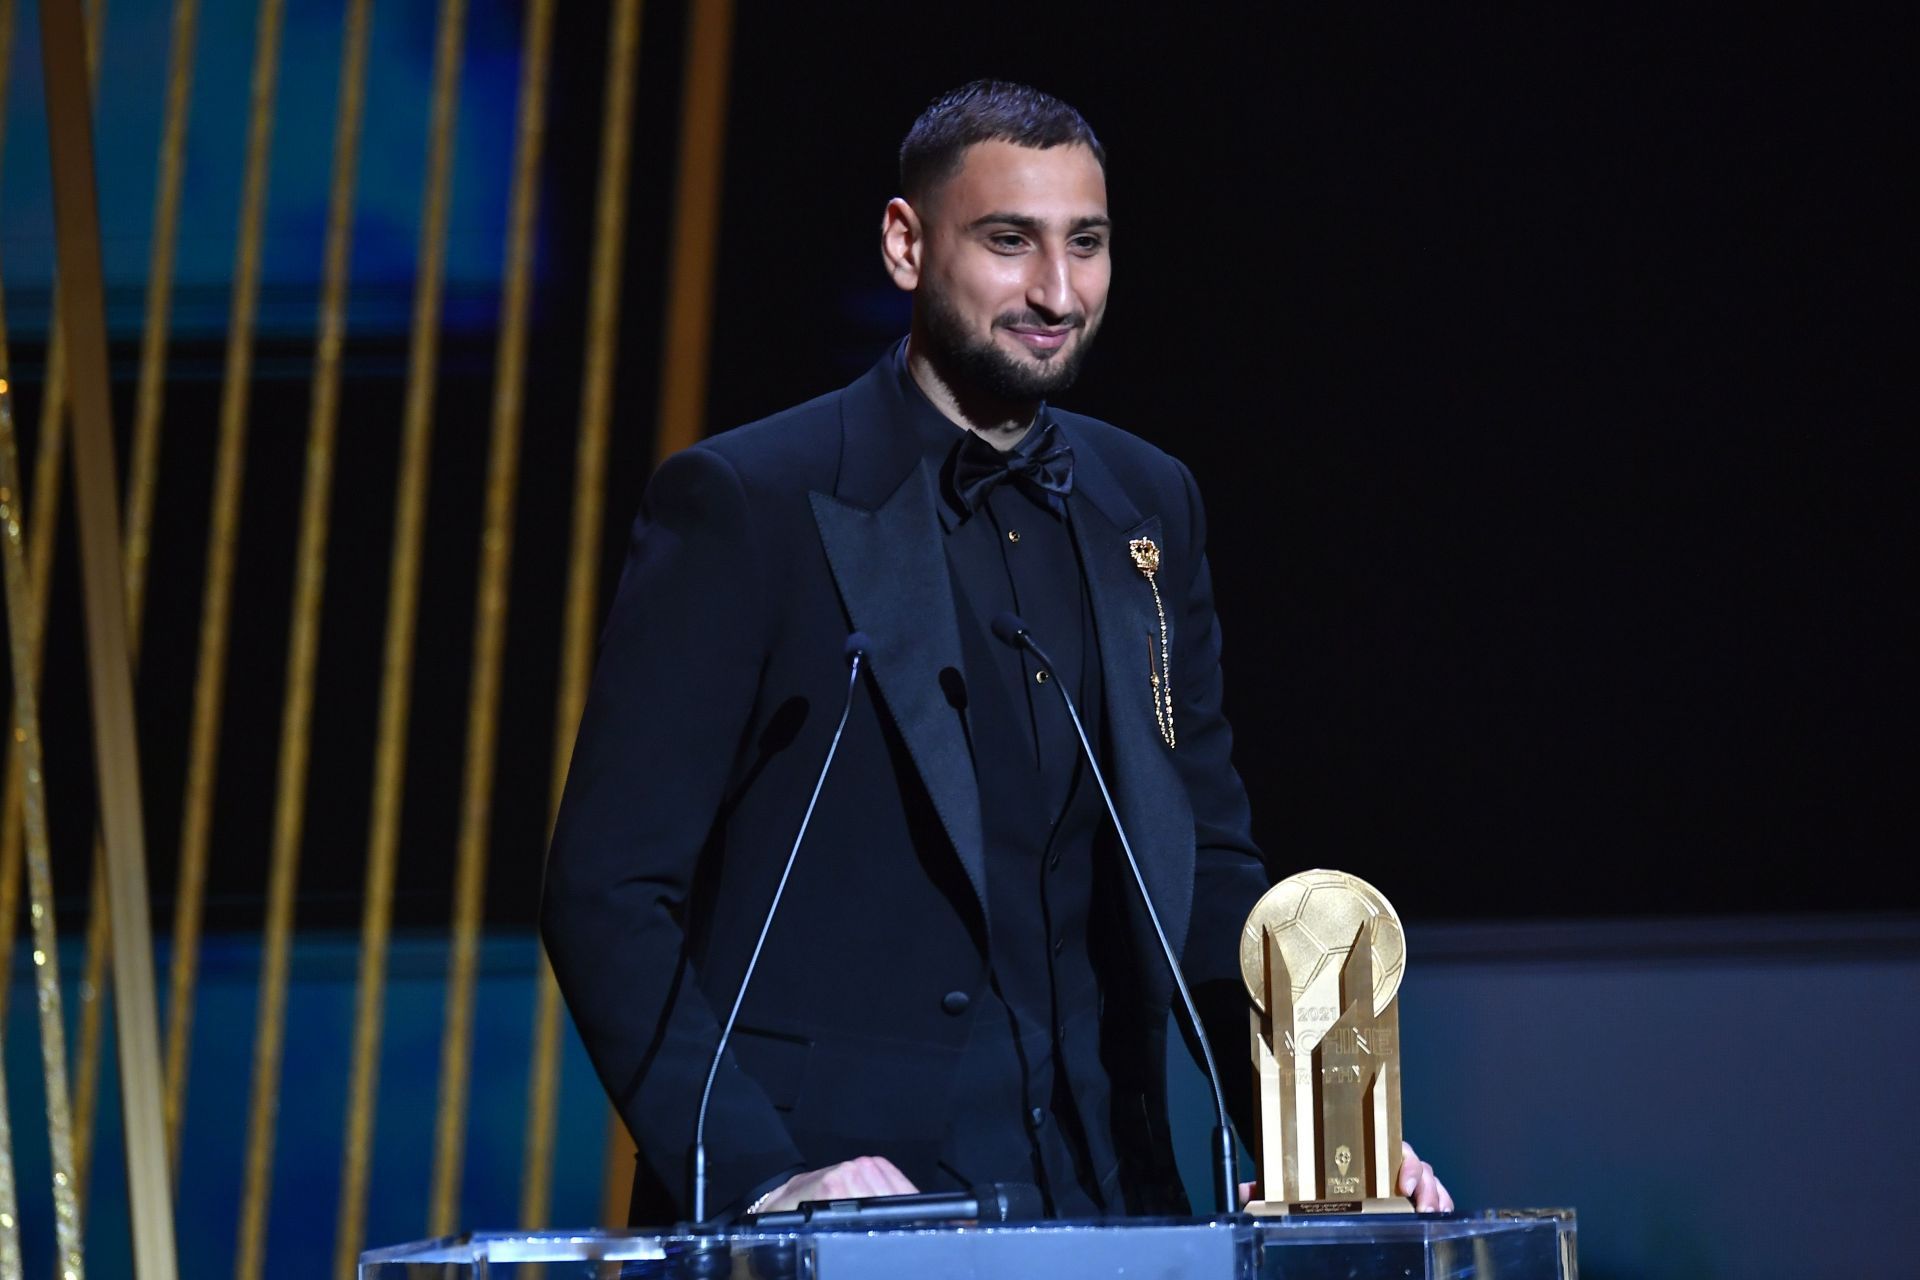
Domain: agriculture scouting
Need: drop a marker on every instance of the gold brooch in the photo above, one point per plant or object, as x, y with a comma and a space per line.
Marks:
1146, 558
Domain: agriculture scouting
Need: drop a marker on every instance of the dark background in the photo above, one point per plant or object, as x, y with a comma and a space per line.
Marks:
1538, 368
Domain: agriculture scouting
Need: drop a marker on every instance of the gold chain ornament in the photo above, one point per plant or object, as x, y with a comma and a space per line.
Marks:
1146, 558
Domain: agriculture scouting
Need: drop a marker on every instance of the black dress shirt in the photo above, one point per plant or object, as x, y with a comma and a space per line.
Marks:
1032, 1092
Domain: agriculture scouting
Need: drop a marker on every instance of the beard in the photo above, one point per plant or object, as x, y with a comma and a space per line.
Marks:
980, 366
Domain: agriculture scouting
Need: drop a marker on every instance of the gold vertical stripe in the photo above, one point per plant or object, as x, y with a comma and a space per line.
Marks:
142, 482
310, 577
9, 1198
51, 453
396, 682
49, 456
47, 482
148, 405
110, 677
26, 737
44, 524
303, 641
689, 322
490, 626
212, 674
149, 399
53, 400
10, 1265
92, 996
583, 569
696, 220
10, 850
616, 1178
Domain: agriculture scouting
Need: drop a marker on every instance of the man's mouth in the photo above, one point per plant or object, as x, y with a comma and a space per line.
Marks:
1040, 338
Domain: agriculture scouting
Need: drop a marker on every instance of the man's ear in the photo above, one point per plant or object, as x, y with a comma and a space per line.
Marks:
902, 244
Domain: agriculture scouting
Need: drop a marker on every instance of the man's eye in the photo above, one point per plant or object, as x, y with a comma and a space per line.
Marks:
1007, 240
1088, 244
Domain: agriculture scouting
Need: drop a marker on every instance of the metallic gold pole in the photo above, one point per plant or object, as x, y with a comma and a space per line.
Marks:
26, 735
210, 680
10, 851
303, 642
92, 996
310, 575
50, 455
490, 625
141, 480
689, 316
110, 676
583, 569
9, 1201
10, 1265
14, 568
44, 521
149, 400
696, 221
216, 610
396, 685
141, 484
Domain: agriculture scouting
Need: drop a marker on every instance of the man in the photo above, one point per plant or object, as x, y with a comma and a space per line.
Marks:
961, 986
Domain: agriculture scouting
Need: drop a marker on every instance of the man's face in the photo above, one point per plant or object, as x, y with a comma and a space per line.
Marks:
1014, 281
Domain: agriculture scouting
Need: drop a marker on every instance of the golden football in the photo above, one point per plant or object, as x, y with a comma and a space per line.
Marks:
1315, 915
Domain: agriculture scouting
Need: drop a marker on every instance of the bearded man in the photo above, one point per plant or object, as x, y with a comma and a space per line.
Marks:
961, 986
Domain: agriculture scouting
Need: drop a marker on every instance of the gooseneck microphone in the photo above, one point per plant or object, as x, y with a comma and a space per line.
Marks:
1011, 630
995, 1202
854, 650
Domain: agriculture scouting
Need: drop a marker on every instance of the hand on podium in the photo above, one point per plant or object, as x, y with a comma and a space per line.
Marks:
858, 1178
1417, 1183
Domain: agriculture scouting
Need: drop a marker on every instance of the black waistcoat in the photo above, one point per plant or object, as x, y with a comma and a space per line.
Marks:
1032, 1098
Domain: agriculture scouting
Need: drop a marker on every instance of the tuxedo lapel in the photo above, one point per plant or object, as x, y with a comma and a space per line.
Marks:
1147, 788
881, 532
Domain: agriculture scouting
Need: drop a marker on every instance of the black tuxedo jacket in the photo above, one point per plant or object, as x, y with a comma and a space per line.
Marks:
718, 685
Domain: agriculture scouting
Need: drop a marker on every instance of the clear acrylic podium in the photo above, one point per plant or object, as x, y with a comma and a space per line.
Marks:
1497, 1245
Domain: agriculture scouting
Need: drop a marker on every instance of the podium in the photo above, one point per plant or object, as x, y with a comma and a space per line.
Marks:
1495, 1245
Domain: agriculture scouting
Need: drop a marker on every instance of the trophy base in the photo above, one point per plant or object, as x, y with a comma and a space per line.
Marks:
1328, 1208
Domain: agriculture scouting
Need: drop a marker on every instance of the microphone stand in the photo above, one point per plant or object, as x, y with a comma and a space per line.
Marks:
856, 649
1011, 630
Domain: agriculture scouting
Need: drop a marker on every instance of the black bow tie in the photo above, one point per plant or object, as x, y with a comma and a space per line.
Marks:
1042, 464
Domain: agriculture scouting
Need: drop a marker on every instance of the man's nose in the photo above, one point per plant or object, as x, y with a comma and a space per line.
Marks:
1050, 288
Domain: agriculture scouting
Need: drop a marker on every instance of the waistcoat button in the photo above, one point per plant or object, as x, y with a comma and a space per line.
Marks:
955, 1002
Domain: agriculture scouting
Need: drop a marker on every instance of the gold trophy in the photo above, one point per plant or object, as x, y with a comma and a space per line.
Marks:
1322, 955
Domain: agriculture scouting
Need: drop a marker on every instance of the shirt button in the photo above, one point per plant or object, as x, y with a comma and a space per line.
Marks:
1040, 676
955, 1002
1036, 1117
1013, 535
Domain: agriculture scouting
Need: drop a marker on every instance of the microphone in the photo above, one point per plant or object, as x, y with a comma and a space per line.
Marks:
853, 651
1009, 629
994, 1202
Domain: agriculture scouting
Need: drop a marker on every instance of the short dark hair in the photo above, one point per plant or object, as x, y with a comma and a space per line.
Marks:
986, 111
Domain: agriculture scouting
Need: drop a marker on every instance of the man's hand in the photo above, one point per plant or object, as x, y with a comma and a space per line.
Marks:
1418, 1184
850, 1179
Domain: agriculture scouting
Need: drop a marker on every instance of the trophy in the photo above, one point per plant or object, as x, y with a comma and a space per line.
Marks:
1322, 955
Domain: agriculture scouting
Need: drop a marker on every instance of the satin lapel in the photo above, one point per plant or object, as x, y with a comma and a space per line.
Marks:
1147, 788
892, 574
